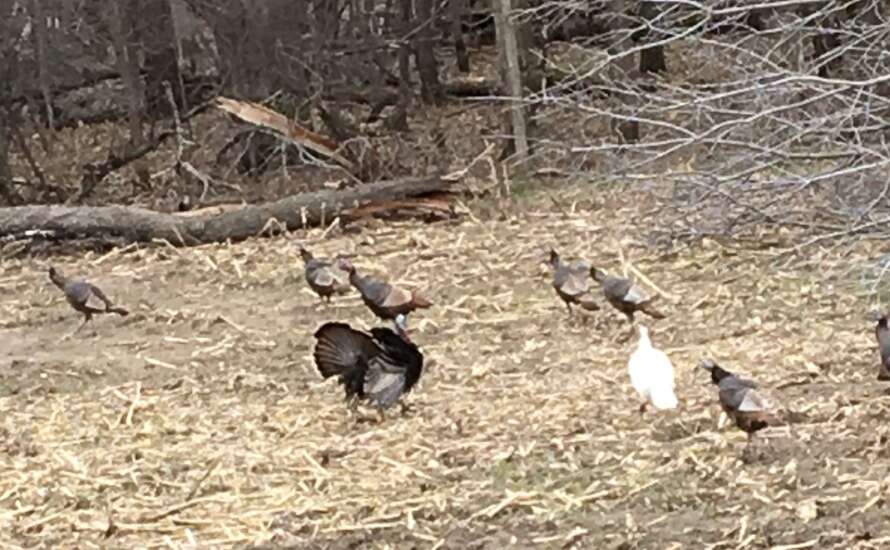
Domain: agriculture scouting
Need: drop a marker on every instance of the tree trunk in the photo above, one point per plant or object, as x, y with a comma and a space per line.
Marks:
290, 29
460, 47
5, 173
399, 119
9, 75
509, 61
127, 64
161, 63
246, 69
327, 19
651, 58
43, 72
121, 223
424, 53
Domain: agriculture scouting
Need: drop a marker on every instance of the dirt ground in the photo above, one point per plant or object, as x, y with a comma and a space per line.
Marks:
199, 420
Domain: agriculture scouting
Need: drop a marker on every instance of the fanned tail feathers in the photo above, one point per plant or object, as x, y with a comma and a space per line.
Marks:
379, 367
335, 350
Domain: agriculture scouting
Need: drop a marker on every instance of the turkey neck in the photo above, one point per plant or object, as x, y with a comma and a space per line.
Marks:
355, 279
718, 375
882, 331
57, 279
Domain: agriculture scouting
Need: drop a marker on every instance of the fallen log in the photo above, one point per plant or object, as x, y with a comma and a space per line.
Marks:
429, 208
127, 224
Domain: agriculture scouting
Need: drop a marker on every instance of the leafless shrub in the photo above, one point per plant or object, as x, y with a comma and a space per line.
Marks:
771, 112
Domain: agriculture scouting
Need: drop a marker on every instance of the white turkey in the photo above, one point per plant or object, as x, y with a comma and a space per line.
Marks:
652, 374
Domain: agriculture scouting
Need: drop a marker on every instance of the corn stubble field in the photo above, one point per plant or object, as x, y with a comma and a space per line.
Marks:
200, 420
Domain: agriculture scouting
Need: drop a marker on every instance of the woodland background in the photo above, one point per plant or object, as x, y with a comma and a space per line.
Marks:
755, 113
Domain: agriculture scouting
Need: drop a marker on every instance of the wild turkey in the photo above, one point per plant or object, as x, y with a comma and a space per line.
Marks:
652, 374
572, 283
84, 297
384, 299
882, 333
625, 296
378, 368
741, 400
322, 276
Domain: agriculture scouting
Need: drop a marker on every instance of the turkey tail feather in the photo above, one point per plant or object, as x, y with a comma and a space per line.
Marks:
420, 302
651, 311
340, 350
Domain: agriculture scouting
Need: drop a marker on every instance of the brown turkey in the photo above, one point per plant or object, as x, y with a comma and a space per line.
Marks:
882, 333
572, 283
625, 296
84, 297
378, 367
385, 300
742, 401
323, 278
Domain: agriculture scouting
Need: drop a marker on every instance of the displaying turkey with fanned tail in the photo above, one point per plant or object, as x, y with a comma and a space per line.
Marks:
572, 283
84, 297
385, 300
323, 277
378, 367
625, 296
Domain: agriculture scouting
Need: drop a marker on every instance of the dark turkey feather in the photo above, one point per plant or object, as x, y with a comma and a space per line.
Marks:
383, 299
384, 386
372, 290
379, 367
625, 296
882, 333
321, 277
572, 283
340, 349
84, 297
741, 399
396, 351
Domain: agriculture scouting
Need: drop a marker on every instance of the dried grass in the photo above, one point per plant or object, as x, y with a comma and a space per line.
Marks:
200, 420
